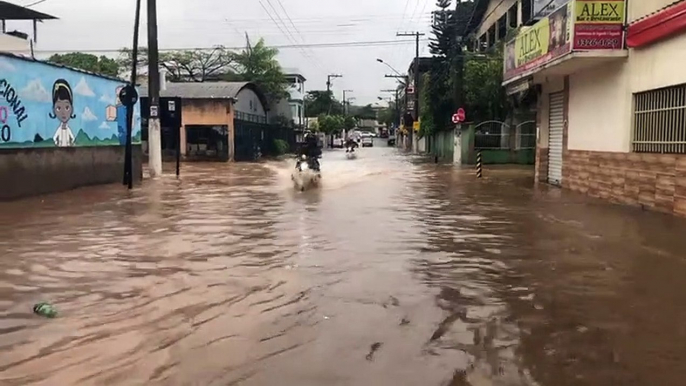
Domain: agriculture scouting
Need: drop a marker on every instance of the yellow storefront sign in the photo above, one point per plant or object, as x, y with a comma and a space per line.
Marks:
599, 12
532, 43
416, 125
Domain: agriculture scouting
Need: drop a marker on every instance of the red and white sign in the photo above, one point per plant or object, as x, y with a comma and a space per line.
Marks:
410, 89
459, 116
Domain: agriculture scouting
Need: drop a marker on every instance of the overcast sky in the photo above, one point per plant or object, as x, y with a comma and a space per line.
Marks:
105, 25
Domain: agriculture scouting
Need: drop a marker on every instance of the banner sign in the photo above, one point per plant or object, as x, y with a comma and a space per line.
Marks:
578, 25
598, 25
541, 43
543, 8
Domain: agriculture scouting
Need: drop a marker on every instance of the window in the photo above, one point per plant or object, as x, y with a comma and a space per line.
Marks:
527, 11
502, 27
491, 36
659, 124
512, 16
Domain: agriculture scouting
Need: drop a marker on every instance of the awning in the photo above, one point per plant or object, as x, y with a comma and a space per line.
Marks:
9, 11
658, 26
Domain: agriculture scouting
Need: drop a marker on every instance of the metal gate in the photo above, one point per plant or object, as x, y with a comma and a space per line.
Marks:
556, 124
248, 139
253, 139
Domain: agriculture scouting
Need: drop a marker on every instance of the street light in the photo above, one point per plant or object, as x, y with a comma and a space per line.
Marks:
389, 66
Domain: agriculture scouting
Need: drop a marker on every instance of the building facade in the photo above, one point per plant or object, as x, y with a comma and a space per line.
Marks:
612, 99
214, 118
60, 128
296, 100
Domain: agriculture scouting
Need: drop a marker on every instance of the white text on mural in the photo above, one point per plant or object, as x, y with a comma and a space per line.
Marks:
9, 94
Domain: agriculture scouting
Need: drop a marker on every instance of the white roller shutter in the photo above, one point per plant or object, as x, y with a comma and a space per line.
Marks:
556, 122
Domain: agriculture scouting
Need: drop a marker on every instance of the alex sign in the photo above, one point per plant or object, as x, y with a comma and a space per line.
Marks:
580, 25
546, 40
598, 24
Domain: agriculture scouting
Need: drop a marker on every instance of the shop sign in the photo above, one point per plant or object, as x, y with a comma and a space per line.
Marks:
598, 25
534, 46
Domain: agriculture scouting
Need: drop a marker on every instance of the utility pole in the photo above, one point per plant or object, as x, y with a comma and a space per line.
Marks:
397, 107
416, 77
345, 107
154, 126
328, 80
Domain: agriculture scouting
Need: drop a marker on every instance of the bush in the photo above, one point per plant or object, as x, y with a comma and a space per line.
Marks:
281, 147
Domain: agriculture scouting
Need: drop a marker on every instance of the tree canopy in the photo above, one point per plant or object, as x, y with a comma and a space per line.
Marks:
321, 102
88, 62
331, 124
257, 63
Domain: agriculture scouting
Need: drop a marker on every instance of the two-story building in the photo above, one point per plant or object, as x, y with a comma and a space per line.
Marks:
612, 98
19, 42
296, 100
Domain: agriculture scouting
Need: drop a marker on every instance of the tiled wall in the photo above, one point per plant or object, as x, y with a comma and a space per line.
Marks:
652, 181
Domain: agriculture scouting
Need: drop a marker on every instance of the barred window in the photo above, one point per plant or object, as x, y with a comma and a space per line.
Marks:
659, 124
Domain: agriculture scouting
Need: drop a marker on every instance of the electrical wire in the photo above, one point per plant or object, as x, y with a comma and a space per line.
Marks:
373, 43
34, 3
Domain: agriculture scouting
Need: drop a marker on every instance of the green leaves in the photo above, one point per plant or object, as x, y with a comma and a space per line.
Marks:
99, 65
331, 124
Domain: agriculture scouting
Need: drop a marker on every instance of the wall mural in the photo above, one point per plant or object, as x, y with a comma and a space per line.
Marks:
47, 106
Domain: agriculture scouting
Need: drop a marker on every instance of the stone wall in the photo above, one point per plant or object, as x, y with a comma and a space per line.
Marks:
651, 181
28, 172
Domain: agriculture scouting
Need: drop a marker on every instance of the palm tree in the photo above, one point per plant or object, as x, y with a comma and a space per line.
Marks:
257, 63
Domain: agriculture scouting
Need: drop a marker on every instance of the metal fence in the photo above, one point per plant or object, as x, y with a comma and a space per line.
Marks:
253, 139
492, 135
526, 135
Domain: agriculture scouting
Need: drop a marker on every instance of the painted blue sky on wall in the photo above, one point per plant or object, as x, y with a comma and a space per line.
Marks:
45, 106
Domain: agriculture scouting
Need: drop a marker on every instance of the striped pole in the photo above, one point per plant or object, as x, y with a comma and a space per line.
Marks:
478, 164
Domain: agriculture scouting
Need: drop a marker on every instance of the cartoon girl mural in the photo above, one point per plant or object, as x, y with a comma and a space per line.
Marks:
63, 110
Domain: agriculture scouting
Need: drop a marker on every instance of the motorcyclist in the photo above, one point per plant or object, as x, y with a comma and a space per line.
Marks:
350, 145
310, 149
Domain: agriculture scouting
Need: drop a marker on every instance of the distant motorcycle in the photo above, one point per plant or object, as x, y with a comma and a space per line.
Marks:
307, 173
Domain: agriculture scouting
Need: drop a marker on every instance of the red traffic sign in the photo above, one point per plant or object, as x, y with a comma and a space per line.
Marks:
459, 116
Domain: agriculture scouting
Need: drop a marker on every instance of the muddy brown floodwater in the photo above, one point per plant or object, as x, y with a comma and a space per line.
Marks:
396, 272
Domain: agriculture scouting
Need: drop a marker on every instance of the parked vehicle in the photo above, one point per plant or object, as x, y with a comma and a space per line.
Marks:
337, 143
391, 141
367, 141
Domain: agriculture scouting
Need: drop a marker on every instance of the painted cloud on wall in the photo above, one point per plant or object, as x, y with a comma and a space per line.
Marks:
88, 115
109, 99
105, 126
35, 91
83, 89
6, 66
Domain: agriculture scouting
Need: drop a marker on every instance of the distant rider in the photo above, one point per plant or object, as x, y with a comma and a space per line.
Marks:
350, 145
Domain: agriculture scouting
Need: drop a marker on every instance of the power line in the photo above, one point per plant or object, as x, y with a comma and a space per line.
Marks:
34, 3
373, 43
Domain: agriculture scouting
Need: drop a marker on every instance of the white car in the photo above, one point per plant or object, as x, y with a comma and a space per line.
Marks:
337, 143
367, 141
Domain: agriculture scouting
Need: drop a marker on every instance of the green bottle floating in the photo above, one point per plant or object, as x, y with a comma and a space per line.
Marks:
45, 309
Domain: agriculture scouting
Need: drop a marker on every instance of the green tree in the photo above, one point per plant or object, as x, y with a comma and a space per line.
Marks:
197, 65
349, 123
485, 97
321, 102
331, 124
387, 115
257, 63
365, 112
88, 62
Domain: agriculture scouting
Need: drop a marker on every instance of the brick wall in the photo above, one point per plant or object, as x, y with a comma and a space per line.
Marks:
541, 164
653, 181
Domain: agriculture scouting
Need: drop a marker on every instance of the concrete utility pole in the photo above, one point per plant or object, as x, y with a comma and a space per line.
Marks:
328, 80
416, 78
345, 108
154, 126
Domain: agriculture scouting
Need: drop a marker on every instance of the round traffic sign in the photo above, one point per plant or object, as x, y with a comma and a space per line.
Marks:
461, 115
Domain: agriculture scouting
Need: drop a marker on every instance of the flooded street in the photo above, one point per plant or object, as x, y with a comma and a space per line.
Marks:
395, 272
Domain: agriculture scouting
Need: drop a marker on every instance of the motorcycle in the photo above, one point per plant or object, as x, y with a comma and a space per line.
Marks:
307, 173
